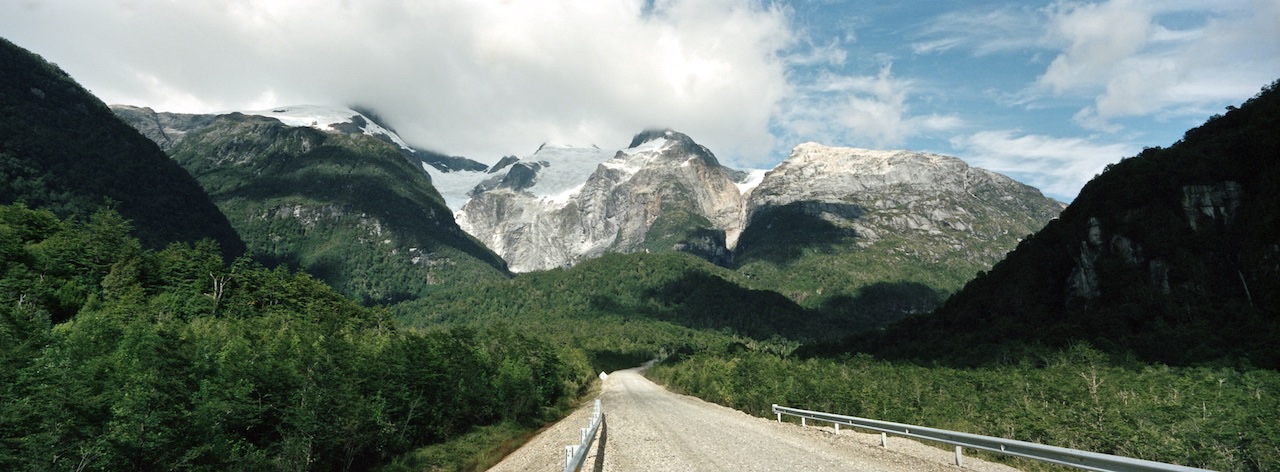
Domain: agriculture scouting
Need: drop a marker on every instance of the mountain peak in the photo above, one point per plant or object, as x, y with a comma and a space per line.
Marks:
650, 135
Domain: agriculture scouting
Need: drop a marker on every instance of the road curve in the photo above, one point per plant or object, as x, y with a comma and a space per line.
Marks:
647, 428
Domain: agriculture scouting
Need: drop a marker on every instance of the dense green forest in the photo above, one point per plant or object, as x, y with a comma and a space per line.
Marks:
649, 303
117, 357
62, 149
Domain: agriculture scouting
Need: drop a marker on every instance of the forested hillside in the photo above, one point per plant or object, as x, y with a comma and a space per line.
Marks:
348, 208
62, 149
122, 358
627, 308
1171, 256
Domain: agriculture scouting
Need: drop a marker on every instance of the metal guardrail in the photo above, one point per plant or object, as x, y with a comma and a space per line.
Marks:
1056, 455
575, 455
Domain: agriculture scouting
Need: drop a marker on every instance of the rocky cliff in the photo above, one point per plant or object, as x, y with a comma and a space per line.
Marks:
868, 236
563, 205
872, 195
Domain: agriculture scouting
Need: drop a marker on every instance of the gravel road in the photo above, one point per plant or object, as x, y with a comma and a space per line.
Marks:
647, 428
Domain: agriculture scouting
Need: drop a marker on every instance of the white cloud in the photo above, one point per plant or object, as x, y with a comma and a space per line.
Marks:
852, 110
479, 78
1122, 54
1057, 166
983, 32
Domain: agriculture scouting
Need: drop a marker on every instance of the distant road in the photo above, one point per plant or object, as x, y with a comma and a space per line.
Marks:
647, 428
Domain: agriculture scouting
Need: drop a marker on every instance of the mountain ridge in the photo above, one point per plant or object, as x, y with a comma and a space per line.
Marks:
62, 149
326, 190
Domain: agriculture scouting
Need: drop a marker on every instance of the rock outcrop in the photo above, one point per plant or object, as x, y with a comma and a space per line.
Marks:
871, 194
563, 205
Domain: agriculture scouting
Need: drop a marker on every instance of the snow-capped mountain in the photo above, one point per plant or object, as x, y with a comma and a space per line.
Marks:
331, 118
562, 205
665, 192
554, 172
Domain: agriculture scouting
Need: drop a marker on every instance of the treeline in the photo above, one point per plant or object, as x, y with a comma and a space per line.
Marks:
113, 357
1215, 418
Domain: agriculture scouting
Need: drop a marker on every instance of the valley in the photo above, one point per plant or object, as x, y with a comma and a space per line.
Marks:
299, 288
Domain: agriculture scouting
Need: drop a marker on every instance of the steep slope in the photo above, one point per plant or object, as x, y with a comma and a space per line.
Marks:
62, 149
564, 205
1171, 256
878, 235
328, 191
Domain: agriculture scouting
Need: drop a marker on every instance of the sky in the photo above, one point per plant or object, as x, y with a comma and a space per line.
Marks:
1046, 91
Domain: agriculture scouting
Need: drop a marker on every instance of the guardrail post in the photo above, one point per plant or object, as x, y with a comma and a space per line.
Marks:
1050, 454
569, 452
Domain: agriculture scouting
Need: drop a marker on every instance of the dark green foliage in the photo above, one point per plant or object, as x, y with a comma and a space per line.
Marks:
347, 208
1181, 244
622, 308
1215, 418
62, 149
172, 360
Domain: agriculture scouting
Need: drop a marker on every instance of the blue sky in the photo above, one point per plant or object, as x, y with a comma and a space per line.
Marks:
1048, 92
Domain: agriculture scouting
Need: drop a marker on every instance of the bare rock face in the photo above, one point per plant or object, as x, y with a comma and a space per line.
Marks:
165, 129
664, 192
870, 195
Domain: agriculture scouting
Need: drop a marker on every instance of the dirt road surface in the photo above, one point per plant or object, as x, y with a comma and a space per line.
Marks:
647, 428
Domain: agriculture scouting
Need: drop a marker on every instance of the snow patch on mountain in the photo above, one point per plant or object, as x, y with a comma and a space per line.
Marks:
455, 186
563, 169
325, 117
753, 179
631, 160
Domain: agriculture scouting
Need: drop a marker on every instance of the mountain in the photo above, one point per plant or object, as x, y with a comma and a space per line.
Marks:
329, 191
878, 235
860, 235
1171, 256
62, 149
563, 205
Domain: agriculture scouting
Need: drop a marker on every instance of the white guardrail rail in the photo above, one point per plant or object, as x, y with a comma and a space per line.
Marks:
575, 454
1057, 455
